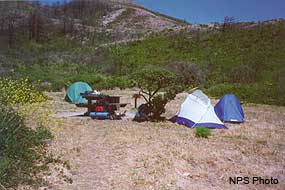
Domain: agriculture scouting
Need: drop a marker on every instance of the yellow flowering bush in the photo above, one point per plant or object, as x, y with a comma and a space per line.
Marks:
20, 91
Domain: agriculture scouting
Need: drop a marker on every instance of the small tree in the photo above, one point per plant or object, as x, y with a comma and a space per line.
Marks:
151, 80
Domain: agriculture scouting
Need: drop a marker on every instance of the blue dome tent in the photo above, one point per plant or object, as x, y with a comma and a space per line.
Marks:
229, 109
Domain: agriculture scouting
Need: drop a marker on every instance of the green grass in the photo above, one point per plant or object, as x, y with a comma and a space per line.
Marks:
202, 132
22, 153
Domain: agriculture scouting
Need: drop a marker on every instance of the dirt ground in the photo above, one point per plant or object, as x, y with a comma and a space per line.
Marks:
123, 154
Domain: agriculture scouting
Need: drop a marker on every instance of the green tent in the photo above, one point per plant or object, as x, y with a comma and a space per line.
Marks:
73, 92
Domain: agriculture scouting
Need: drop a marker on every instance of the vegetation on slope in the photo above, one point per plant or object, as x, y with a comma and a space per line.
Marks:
22, 152
22, 149
246, 61
242, 58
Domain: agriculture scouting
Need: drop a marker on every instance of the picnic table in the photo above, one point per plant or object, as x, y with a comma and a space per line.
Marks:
110, 103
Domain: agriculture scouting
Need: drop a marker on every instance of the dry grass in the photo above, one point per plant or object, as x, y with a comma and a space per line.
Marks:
128, 155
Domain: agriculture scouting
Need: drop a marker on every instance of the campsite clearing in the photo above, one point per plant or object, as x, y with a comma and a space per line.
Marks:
122, 154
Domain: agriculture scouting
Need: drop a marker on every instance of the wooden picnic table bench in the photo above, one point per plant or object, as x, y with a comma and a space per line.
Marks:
110, 103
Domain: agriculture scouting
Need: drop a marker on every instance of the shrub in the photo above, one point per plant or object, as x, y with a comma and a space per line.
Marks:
202, 132
99, 81
22, 152
43, 133
182, 42
280, 83
189, 74
116, 81
62, 75
242, 74
54, 44
265, 93
151, 80
279, 88
19, 91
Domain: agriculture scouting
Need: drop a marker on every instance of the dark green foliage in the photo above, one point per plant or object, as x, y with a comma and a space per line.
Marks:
280, 82
202, 132
158, 105
60, 75
255, 93
21, 150
189, 74
55, 44
242, 74
280, 87
151, 80
43, 133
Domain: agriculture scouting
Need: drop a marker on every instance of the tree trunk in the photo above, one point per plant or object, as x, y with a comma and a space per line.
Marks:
136, 99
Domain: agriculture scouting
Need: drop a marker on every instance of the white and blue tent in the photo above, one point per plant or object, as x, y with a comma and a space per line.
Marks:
197, 111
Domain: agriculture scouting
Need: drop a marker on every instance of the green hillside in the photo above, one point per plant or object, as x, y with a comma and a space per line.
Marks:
245, 59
